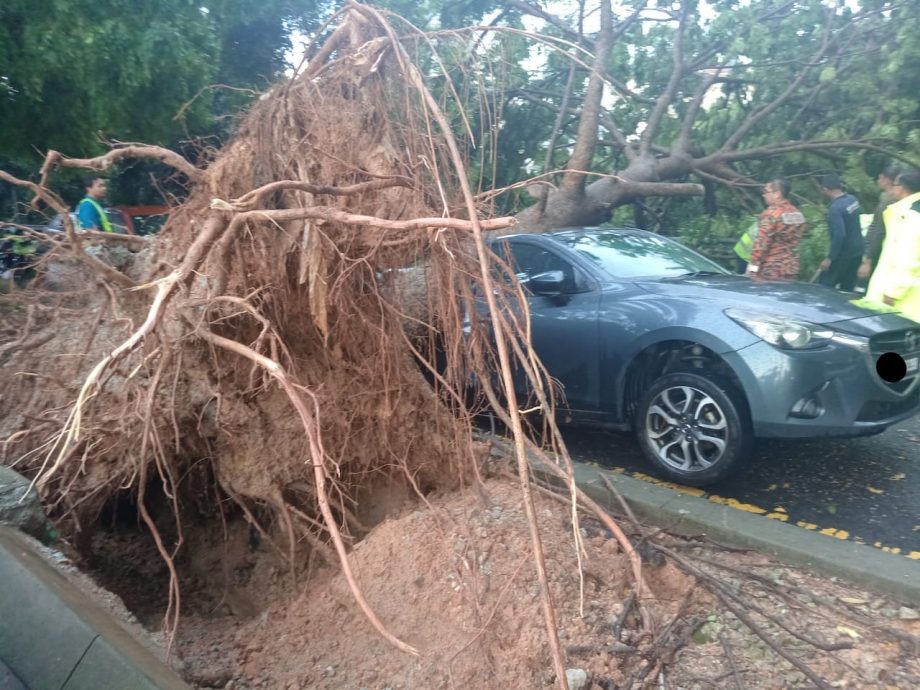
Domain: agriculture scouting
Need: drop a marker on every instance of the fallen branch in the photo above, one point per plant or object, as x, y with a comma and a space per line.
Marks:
104, 162
747, 620
327, 213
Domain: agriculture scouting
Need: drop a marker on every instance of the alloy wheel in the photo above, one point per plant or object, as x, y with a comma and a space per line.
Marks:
686, 428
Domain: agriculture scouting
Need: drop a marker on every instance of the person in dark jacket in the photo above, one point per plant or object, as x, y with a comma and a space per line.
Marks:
845, 249
875, 235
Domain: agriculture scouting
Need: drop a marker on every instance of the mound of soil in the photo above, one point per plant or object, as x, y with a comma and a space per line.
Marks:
456, 580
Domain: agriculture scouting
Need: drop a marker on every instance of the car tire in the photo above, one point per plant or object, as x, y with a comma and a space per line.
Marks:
695, 429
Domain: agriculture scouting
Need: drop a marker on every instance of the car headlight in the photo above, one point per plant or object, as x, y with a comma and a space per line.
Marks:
782, 331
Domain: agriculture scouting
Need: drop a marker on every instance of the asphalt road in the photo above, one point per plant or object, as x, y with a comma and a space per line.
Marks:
863, 489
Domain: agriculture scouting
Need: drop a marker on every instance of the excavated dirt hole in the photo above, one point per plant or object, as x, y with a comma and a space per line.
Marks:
221, 551
218, 552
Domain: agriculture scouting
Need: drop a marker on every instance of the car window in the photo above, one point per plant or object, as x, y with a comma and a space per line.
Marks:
628, 255
531, 259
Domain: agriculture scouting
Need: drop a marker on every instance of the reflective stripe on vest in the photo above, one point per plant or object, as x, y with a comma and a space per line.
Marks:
106, 225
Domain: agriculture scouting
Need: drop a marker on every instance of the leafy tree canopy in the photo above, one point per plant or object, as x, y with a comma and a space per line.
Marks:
76, 72
676, 94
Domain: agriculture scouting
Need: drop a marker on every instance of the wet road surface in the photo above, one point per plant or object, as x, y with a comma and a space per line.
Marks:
864, 489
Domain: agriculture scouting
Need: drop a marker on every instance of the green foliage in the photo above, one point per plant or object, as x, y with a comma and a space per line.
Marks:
74, 73
703, 230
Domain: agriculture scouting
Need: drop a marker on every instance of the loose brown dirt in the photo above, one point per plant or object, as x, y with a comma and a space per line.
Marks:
455, 579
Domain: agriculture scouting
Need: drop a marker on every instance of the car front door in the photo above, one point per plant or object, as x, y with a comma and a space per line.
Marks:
564, 326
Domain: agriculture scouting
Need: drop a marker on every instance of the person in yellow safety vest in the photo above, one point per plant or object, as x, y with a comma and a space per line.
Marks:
745, 246
896, 280
90, 214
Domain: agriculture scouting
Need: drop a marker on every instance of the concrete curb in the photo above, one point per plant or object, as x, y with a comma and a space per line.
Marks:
680, 513
53, 636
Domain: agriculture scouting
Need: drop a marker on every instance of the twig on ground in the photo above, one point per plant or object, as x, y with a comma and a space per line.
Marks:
747, 620
732, 664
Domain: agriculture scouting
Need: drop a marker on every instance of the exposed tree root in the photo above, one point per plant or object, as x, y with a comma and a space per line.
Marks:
276, 286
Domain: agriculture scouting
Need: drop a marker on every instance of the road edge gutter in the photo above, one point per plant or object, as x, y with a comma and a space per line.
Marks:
679, 513
55, 636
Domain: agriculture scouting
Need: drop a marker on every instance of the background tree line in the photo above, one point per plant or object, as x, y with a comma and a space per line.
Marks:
664, 114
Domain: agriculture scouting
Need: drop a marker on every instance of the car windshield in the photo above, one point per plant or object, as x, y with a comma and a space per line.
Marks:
628, 255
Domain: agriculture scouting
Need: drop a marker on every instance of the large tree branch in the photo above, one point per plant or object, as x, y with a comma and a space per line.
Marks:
629, 189
557, 128
666, 98
586, 141
682, 144
803, 146
560, 116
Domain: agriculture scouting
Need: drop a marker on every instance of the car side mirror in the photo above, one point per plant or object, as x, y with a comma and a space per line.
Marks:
548, 283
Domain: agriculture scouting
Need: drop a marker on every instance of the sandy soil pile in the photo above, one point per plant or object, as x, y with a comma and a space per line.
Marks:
455, 580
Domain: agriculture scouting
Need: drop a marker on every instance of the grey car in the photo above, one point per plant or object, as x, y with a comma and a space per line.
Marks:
644, 333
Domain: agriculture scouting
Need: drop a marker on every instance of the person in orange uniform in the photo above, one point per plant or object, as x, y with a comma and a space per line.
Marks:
780, 229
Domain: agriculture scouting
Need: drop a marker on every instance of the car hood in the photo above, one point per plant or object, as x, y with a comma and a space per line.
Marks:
804, 301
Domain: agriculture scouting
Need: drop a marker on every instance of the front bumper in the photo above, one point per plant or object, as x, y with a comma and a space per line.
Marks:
841, 382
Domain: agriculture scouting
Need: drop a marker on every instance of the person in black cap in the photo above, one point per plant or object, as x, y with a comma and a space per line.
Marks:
845, 249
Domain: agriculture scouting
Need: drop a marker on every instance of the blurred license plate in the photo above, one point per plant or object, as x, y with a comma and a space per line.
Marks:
913, 364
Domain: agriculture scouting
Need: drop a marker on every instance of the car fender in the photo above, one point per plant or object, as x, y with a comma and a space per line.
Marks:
688, 334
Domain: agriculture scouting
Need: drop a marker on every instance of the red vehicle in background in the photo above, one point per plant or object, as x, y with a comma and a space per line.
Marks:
139, 220
127, 220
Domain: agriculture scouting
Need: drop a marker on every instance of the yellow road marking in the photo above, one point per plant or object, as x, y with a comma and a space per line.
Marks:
778, 513
692, 490
735, 503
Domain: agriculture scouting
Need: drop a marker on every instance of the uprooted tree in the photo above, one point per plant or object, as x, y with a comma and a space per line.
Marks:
259, 352
254, 353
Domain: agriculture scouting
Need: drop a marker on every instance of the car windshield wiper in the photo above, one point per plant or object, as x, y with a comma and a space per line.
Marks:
694, 274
